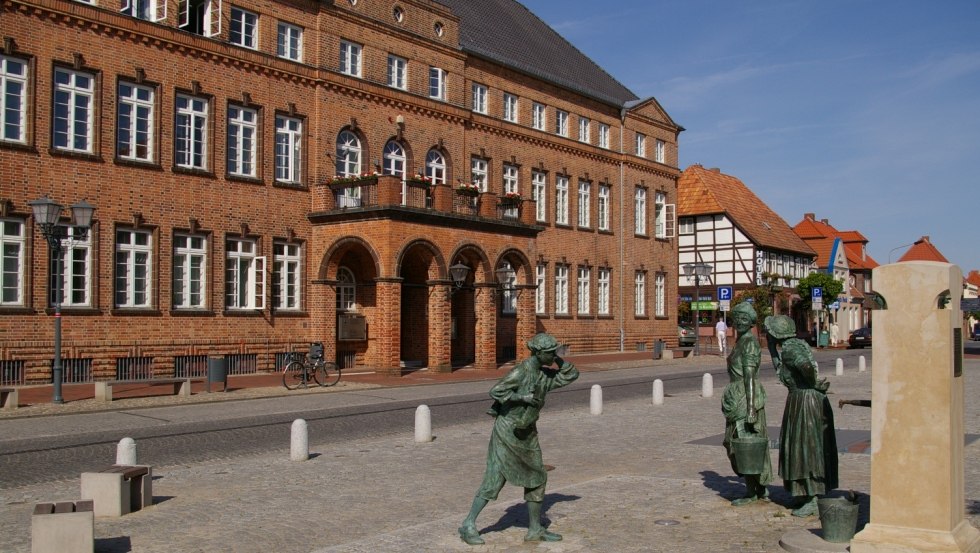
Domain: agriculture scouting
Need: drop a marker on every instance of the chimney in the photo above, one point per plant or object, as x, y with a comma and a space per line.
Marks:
825, 221
925, 238
809, 216
715, 170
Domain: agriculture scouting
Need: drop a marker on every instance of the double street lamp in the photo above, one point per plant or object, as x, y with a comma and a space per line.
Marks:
47, 213
697, 270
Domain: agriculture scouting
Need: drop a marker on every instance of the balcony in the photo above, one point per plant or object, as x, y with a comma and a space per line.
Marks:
386, 196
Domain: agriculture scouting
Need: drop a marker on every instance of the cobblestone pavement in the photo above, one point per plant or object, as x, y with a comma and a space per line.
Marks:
636, 478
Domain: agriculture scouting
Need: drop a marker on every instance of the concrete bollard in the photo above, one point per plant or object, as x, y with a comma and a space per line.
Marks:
658, 392
126, 452
707, 386
423, 424
595, 400
862, 364
840, 367
299, 441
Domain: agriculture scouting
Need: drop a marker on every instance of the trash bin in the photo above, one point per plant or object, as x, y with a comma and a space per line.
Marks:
824, 339
658, 348
217, 372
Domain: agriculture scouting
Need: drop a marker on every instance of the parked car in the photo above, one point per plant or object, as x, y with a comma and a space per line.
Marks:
860, 338
685, 336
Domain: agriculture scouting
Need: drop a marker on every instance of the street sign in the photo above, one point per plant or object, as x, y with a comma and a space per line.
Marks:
725, 293
703, 306
835, 305
816, 294
970, 304
816, 304
725, 305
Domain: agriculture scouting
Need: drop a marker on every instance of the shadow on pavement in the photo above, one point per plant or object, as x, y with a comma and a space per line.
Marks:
516, 515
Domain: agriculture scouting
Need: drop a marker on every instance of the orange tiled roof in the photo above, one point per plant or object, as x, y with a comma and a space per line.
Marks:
813, 231
973, 278
855, 259
923, 250
703, 191
824, 247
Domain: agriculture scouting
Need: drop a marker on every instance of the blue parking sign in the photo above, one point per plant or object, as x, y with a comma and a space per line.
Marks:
816, 293
725, 293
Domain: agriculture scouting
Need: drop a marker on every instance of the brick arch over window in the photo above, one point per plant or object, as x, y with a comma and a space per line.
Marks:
409, 153
473, 256
368, 266
520, 263
436, 271
345, 151
439, 170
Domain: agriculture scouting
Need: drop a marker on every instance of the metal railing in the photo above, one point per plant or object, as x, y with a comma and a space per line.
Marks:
134, 368
11, 373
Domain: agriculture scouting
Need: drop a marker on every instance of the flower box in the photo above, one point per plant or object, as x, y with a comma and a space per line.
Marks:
468, 190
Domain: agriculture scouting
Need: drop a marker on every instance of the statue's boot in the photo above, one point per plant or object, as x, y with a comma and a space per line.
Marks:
807, 509
535, 531
753, 492
469, 534
541, 535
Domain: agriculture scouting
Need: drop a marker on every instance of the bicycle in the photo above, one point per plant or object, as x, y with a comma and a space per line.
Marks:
303, 368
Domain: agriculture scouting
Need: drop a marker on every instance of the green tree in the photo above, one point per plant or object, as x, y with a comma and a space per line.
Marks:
831, 288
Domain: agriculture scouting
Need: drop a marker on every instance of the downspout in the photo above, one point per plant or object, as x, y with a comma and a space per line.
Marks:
622, 217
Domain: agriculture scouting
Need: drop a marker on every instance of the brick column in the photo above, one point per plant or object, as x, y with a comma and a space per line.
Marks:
322, 306
527, 322
488, 205
442, 198
386, 334
486, 328
440, 326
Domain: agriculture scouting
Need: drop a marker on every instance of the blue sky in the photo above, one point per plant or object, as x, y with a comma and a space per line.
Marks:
864, 112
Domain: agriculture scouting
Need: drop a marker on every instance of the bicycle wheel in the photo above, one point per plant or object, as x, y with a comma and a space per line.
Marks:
326, 374
292, 375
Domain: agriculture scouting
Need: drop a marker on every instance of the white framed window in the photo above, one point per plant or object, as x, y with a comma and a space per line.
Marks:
561, 289
661, 151
435, 166
602, 211
437, 83
289, 149
75, 269
603, 135
660, 295
561, 122
12, 270
686, 225
150, 10
640, 294
348, 154
74, 110
13, 99
350, 58
584, 203
640, 211
538, 193
190, 271
244, 28
511, 186
202, 17
289, 42
540, 293
244, 275
191, 132
479, 98
134, 122
286, 281
478, 172
397, 72
584, 288
509, 297
561, 200
538, 120
394, 160
641, 145
663, 216
584, 130
603, 283
134, 268
510, 107
242, 130
346, 290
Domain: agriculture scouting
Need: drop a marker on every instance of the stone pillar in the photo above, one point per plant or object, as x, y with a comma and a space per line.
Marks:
527, 322
440, 326
917, 474
387, 326
486, 328
323, 316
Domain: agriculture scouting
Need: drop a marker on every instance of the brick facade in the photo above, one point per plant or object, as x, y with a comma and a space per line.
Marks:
397, 250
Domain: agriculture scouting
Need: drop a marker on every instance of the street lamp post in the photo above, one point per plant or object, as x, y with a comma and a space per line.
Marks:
697, 270
47, 213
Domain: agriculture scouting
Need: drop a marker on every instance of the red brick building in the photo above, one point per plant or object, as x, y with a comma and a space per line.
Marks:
271, 173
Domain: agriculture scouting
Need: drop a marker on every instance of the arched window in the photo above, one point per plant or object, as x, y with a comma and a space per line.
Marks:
435, 167
346, 290
348, 154
394, 159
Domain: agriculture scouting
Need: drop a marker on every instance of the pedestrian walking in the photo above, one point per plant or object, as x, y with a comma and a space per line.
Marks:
721, 330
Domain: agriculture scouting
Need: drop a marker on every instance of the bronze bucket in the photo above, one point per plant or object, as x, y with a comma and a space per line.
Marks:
750, 454
838, 518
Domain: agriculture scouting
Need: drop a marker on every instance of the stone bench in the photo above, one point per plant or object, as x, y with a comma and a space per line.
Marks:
9, 398
103, 388
119, 489
63, 527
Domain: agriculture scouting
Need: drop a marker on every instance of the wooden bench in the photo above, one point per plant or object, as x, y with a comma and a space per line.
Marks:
9, 398
63, 527
103, 388
119, 489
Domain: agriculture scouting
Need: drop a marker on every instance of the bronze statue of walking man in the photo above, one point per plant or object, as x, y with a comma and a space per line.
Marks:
514, 454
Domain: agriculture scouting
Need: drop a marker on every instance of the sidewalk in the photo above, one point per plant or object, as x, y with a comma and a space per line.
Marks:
637, 478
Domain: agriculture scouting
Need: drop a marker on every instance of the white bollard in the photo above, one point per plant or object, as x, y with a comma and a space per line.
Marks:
299, 441
423, 424
126, 452
658, 392
840, 367
707, 386
595, 400
862, 364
